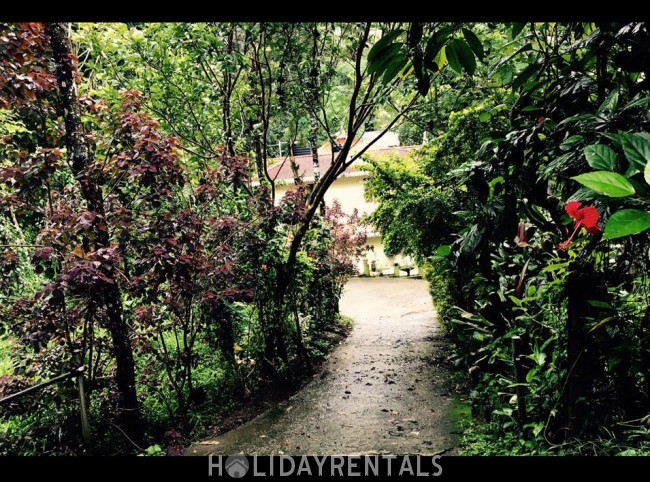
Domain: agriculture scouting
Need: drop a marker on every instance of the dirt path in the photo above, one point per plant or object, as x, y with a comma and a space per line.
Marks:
382, 391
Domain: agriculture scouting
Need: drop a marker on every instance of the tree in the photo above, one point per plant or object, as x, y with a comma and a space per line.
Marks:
80, 162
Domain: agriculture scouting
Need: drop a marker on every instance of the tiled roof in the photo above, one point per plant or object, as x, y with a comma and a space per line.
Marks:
281, 169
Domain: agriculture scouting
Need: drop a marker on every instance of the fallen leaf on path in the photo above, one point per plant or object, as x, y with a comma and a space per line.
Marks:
209, 442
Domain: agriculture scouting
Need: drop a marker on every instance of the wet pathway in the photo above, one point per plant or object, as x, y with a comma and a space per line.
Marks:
381, 391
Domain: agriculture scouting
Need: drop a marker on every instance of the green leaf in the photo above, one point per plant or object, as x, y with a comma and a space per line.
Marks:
531, 374
537, 428
637, 151
430, 52
443, 251
484, 116
608, 183
615, 138
383, 42
394, 68
474, 43
516, 29
599, 304
643, 102
388, 55
610, 103
525, 75
600, 157
433, 49
463, 57
539, 357
646, 173
555, 267
452, 57
601, 323
569, 141
626, 223
441, 59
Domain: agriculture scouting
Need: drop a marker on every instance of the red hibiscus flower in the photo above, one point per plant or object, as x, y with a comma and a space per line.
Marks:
585, 217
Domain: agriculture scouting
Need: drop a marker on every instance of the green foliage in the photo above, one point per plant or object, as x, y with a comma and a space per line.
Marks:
498, 250
460, 56
636, 147
6, 361
600, 157
608, 183
155, 451
627, 222
174, 226
637, 151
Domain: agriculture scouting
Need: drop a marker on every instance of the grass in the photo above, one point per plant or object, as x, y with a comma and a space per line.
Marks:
481, 438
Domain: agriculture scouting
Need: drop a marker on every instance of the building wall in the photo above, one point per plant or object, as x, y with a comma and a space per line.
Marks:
349, 192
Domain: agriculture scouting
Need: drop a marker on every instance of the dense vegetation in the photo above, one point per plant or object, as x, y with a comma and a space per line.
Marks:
161, 272
143, 249
529, 208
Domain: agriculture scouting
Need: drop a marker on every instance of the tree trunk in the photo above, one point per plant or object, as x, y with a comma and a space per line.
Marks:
579, 288
313, 141
80, 157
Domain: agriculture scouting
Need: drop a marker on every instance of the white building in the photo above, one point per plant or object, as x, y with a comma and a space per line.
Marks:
348, 190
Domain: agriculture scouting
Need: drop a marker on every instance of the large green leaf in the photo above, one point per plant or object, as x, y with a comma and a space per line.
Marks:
430, 52
393, 68
516, 29
460, 56
627, 222
452, 58
609, 183
600, 157
474, 43
386, 57
382, 43
637, 150
646, 173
